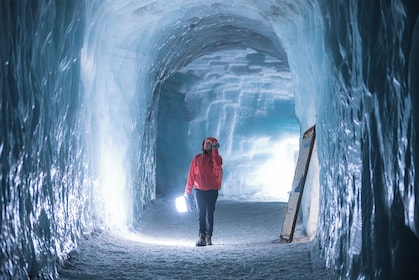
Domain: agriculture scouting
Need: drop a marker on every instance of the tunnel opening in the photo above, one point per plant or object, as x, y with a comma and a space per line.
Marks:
245, 99
235, 85
137, 94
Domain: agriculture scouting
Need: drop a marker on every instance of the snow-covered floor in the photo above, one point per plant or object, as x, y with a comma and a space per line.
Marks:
245, 247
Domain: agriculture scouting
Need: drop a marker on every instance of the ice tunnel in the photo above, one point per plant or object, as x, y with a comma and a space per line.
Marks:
104, 103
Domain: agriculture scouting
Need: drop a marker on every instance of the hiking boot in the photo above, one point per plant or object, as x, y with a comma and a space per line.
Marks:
201, 241
209, 242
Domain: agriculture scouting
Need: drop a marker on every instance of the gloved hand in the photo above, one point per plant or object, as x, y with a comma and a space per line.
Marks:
215, 145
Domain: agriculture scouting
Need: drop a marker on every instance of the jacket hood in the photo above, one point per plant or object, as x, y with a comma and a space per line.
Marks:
212, 139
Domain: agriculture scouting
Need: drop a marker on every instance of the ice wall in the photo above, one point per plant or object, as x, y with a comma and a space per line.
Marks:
368, 176
44, 164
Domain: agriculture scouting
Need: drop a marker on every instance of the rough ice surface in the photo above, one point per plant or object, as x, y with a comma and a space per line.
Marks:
88, 89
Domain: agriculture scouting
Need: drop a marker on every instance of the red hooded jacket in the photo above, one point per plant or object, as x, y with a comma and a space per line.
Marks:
205, 172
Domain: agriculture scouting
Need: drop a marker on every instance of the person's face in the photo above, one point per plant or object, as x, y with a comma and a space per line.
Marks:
207, 145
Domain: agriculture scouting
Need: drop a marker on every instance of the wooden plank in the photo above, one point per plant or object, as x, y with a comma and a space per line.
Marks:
303, 162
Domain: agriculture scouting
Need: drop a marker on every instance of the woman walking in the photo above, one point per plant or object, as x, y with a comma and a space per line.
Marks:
204, 179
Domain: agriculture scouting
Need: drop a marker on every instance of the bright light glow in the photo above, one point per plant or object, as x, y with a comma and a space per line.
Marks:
276, 174
264, 172
181, 204
156, 240
111, 199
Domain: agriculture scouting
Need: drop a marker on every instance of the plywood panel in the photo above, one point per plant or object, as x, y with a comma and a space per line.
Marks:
300, 175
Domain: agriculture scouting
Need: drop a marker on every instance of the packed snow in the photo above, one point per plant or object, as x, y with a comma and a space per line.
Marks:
245, 246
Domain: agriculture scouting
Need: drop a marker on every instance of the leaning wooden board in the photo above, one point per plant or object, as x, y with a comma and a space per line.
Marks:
304, 155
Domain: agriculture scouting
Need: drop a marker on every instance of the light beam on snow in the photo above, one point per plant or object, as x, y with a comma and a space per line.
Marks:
156, 240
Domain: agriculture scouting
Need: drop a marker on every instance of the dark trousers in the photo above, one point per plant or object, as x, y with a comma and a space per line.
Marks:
205, 202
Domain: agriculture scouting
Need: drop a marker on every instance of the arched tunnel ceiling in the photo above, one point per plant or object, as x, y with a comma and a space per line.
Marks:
193, 37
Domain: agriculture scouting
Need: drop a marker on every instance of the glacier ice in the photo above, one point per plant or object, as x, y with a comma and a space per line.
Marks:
89, 88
